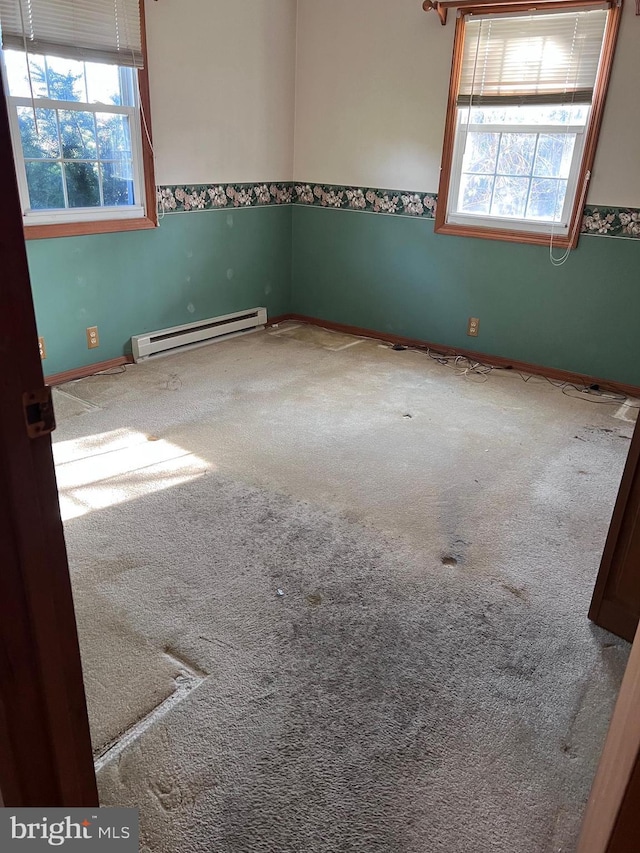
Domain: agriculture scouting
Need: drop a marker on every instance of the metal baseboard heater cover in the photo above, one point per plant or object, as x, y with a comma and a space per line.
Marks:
193, 335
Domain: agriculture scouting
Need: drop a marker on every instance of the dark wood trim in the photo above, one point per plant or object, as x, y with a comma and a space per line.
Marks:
485, 358
87, 370
595, 119
613, 616
607, 609
147, 142
450, 124
80, 229
46, 758
491, 7
110, 226
504, 234
569, 240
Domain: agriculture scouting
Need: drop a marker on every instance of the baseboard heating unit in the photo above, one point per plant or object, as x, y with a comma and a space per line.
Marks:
193, 335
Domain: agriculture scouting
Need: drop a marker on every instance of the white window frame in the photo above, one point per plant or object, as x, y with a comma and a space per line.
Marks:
485, 220
70, 215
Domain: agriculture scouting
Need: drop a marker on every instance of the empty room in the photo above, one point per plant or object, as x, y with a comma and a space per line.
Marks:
336, 306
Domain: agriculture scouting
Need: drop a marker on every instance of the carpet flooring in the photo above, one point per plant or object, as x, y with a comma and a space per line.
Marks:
366, 576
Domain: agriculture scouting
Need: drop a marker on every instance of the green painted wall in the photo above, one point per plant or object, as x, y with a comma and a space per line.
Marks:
195, 265
393, 274
388, 273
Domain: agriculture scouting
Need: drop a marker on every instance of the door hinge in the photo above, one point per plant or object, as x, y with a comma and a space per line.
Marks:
38, 412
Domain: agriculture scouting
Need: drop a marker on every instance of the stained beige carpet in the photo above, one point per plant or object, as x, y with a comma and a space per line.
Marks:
381, 571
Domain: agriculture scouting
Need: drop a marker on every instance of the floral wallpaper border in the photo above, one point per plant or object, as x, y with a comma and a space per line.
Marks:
401, 202
183, 198
611, 221
597, 219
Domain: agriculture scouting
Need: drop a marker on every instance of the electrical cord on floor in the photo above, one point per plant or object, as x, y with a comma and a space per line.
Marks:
113, 371
470, 368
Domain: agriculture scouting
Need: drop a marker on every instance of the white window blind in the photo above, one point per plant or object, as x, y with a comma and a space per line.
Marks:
91, 30
544, 57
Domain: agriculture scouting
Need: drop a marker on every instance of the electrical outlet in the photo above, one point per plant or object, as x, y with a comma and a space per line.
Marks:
472, 327
42, 348
93, 339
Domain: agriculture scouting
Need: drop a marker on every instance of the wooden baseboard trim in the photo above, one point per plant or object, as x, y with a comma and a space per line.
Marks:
87, 370
493, 360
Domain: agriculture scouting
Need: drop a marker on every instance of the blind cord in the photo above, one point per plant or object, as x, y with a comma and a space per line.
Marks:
26, 56
555, 261
558, 262
160, 210
473, 83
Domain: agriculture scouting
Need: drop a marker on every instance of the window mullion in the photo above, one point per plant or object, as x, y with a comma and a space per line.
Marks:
495, 173
62, 168
98, 162
533, 168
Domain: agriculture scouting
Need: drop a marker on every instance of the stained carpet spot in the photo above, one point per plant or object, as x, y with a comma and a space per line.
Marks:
518, 591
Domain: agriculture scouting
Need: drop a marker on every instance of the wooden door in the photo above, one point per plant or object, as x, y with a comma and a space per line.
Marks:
616, 599
612, 818
45, 751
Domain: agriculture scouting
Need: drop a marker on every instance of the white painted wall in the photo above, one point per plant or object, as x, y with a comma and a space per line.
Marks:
371, 95
616, 170
372, 82
222, 77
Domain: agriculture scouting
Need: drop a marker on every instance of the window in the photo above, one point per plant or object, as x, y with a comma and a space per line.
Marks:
526, 99
77, 119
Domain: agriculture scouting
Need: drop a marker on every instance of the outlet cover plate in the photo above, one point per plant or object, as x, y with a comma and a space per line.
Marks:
473, 326
93, 339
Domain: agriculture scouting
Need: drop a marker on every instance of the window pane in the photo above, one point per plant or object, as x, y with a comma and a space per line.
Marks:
17, 77
103, 83
516, 153
44, 180
114, 139
554, 154
77, 131
510, 197
475, 193
83, 188
66, 79
481, 152
546, 199
117, 183
43, 140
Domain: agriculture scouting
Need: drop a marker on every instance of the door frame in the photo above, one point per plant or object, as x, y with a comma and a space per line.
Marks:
45, 747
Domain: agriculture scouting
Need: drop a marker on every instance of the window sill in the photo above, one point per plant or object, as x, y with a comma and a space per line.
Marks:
78, 229
536, 238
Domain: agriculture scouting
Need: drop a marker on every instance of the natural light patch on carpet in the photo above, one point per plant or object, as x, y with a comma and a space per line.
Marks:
109, 468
